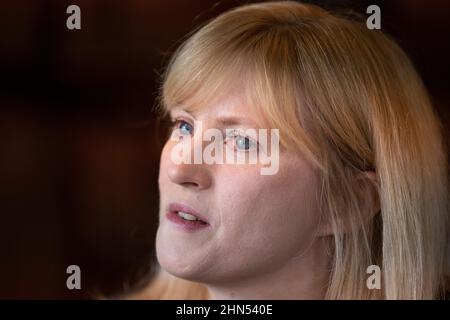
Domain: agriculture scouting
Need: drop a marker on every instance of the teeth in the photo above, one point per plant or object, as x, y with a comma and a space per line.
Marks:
187, 216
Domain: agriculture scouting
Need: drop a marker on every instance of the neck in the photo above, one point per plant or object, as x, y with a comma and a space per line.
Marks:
304, 277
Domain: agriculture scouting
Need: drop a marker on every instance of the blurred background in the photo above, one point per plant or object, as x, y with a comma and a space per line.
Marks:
80, 143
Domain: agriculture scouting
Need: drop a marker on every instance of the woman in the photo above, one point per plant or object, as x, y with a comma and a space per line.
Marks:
361, 179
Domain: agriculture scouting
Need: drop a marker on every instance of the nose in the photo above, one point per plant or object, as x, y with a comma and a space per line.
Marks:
191, 175
194, 176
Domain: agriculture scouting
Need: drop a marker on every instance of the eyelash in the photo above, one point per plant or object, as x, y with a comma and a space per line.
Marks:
176, 123
236, 134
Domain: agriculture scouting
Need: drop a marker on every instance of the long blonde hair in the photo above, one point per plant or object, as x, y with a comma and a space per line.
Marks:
350, 100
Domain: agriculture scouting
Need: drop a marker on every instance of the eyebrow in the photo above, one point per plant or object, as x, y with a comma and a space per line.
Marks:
230, 121
226, 120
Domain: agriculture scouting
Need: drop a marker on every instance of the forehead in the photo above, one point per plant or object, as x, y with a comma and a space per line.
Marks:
230, 110
231, 91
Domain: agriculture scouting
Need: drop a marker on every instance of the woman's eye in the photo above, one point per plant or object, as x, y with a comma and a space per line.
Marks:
245, 144
183, 127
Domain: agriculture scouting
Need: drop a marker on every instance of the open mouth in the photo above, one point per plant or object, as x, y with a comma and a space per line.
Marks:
186, 216
189, 217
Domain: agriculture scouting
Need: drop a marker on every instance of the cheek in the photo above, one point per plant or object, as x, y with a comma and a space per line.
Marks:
273, 214
164, 161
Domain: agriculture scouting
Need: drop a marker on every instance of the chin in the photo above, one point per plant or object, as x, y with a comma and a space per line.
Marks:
181, 272
176, 264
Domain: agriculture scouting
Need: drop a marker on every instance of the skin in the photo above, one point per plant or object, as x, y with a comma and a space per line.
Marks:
263, 241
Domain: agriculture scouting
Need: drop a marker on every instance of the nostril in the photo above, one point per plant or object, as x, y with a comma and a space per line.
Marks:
189, 184
189, 176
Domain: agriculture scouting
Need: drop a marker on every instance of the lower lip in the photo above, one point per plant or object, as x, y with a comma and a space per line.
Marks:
185, 224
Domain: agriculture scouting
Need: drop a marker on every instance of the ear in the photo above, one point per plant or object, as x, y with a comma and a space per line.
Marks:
368, 191
366, 188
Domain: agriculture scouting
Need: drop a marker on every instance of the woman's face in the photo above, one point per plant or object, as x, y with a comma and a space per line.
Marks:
255, 223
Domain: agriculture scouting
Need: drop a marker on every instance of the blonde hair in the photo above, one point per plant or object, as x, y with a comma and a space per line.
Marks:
350, 100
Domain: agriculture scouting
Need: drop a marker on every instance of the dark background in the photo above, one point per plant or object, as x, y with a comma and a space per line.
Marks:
80, 144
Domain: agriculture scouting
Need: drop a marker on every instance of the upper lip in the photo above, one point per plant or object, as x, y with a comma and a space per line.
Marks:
175, 207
